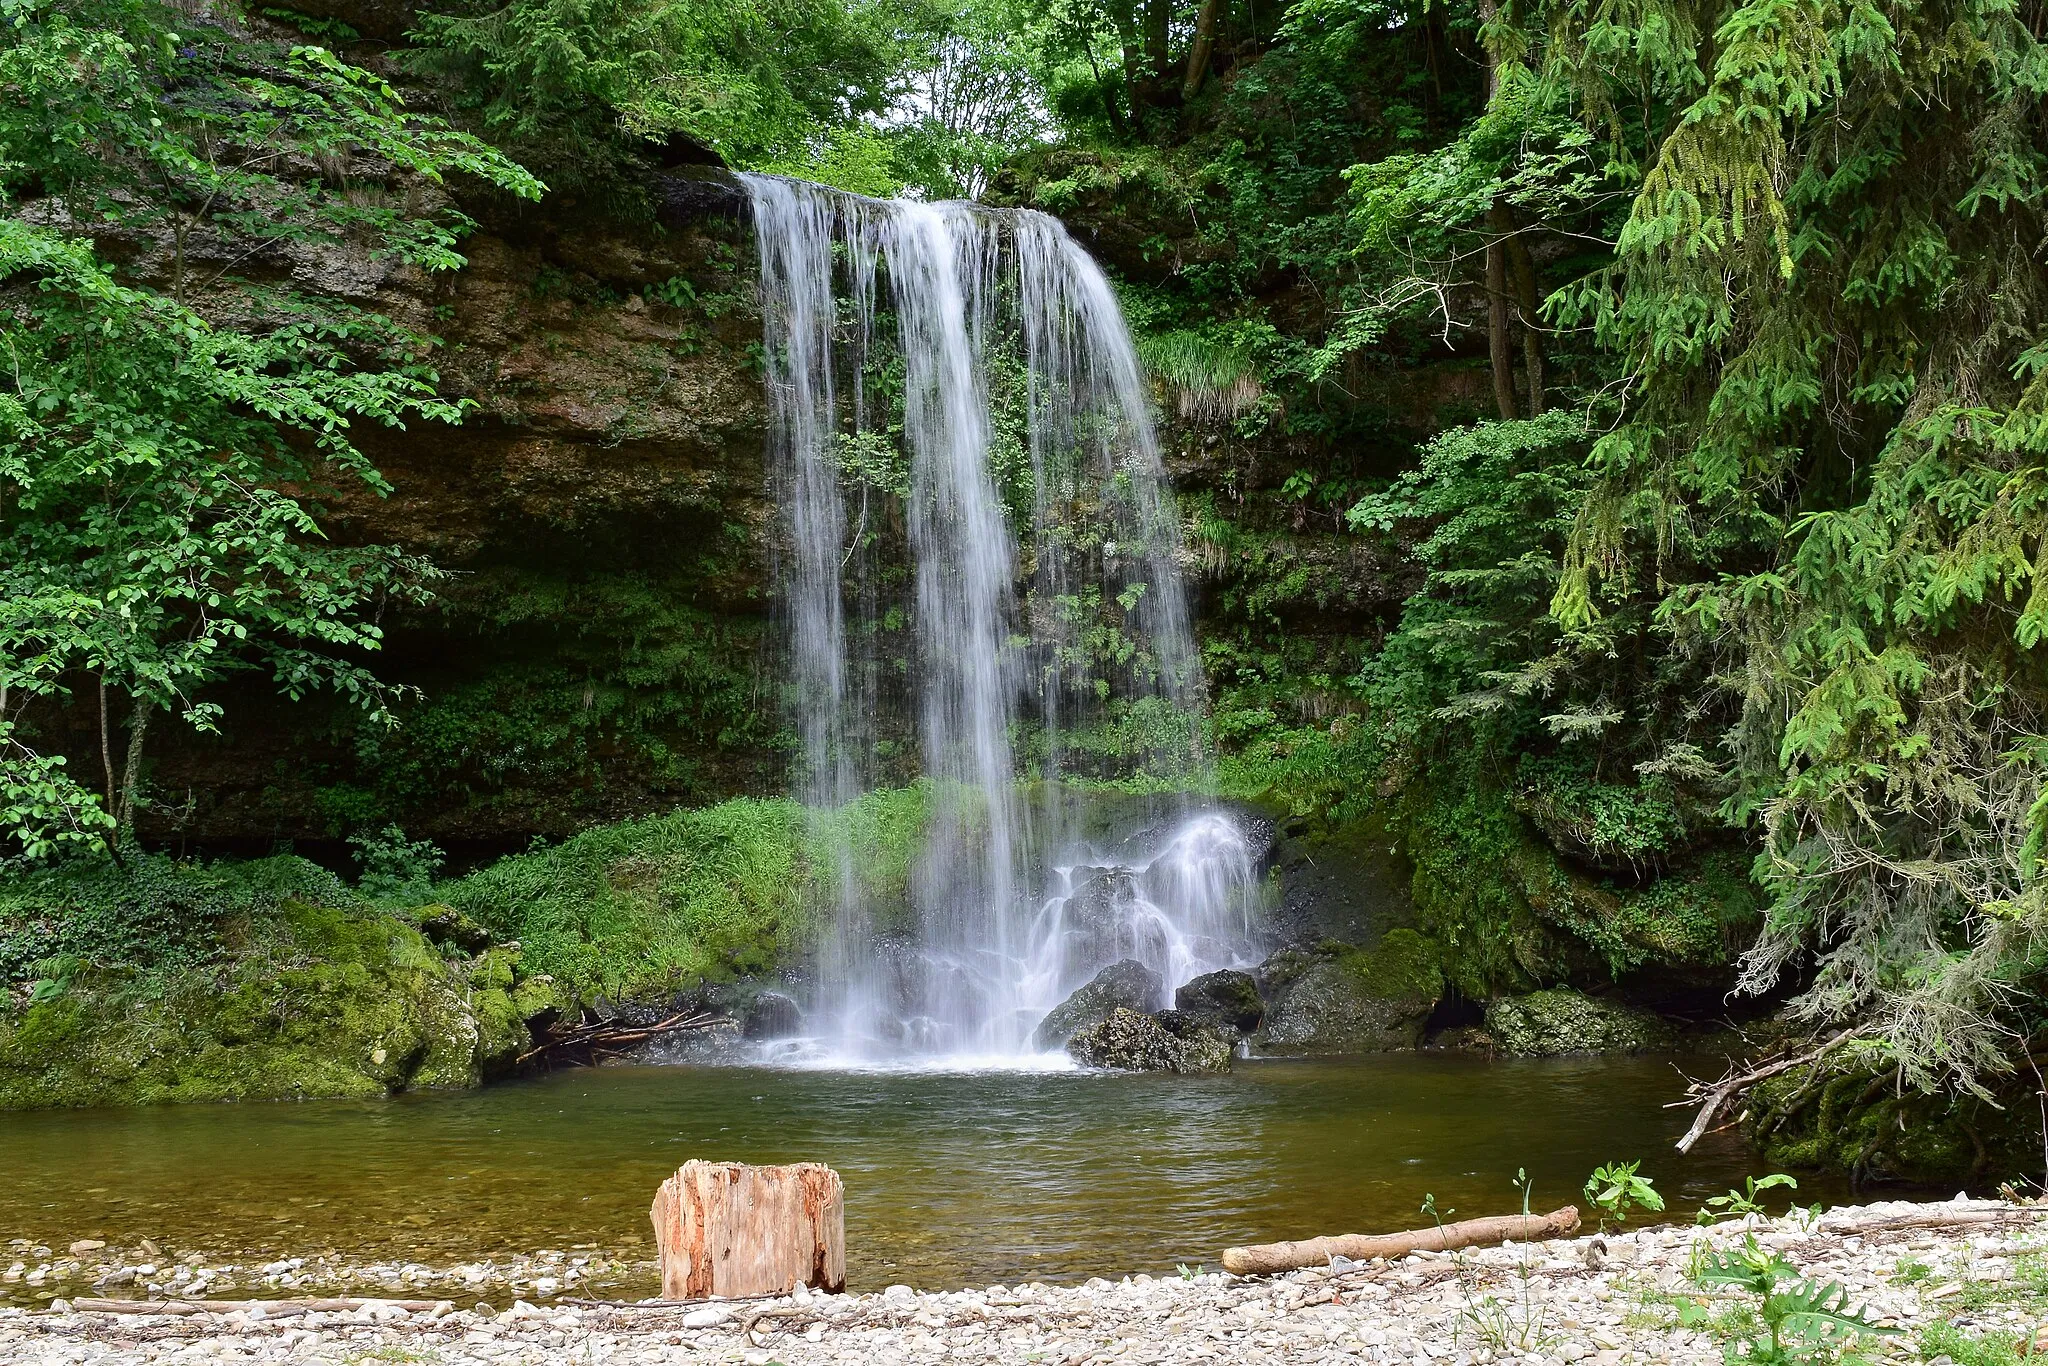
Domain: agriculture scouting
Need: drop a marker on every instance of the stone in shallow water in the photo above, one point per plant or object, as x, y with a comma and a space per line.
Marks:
1554, 1023
1341, 999
1128, 1041
1128, 985
1227, 999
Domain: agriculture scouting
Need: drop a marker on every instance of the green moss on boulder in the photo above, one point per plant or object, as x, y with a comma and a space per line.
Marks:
1858, 1122
1546, 1024
1341, 999
302, 1001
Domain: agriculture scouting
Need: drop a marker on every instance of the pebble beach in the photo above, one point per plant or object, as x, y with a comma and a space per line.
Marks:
1925, 1272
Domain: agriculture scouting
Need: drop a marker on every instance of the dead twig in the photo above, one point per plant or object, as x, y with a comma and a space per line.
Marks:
596, 1035
1710, 1098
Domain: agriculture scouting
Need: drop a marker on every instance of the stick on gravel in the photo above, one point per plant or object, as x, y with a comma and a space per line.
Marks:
272, 1308
1267, 1258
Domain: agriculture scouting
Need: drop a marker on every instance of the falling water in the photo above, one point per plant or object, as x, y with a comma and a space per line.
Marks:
985, 350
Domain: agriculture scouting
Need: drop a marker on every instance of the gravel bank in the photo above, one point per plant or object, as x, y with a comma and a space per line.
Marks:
1614, 1301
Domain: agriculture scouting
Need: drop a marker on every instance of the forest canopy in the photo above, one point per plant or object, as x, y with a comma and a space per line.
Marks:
1738, 561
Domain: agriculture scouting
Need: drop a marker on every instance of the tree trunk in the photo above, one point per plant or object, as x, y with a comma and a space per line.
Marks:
106, 750
1499, 350
725, 1228
1507, 229
1497, 341
131, 769
1158, 22
1359, 1247
1109, 104
1198, 55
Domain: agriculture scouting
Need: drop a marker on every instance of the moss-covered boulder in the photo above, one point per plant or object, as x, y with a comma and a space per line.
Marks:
1128, 985
1170, 1041
1850, 1120
301, 1001
1229, 1000
1342, 999
1547, 1024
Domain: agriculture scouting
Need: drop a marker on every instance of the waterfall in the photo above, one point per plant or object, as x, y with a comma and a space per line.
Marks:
953, 388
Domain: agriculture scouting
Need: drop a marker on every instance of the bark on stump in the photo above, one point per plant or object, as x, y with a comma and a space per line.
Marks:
725, 1228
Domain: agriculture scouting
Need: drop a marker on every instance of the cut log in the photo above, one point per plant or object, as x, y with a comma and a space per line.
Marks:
728, 1229
1267, 1258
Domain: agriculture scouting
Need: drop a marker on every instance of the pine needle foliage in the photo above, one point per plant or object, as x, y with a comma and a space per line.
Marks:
1827, 306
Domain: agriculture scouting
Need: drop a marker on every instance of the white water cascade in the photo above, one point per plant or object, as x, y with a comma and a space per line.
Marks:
953, 388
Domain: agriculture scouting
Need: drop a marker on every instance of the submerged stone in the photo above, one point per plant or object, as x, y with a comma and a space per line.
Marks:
1128, 985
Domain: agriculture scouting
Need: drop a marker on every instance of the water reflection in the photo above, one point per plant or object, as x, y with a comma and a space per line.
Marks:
952, 1178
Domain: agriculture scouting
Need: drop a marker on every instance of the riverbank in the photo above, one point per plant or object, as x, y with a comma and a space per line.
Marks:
1963, 1281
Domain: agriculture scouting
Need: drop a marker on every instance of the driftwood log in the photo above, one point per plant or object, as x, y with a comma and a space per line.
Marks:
731, 1230
275, 1309
1267, 1258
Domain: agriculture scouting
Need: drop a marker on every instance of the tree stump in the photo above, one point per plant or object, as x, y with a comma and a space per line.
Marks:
725, 1228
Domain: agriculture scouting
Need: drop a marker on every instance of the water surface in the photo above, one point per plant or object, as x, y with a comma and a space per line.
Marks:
951, 1178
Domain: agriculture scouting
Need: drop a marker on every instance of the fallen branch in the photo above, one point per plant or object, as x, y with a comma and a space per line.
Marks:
666, 1304
1267, 1258
1962, 1217
275, 1309
595, 1035
1711, 1098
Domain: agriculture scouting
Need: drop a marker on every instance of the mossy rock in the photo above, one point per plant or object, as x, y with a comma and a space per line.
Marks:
1341, 999
1548, 1024
304, 1001
1859, 1124
1128, 985
1170, 1041
1227, 999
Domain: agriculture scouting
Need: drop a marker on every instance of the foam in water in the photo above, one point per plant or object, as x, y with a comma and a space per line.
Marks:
1024, 635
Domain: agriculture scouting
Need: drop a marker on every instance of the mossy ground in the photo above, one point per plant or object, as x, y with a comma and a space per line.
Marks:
294, 1000
1557, 1023
166, 980
646, 909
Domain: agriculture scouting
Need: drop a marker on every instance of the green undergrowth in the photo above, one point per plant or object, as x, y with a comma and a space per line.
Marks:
1508, 912
164, 980
649, 908
228, 982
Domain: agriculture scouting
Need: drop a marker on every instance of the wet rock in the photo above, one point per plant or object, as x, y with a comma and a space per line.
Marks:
1128, 985
1227, 999
1128, 1041
1554, 1023
772, 1015
1095, 922
1341, 999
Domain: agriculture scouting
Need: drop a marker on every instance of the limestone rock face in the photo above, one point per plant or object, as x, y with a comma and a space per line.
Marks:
1341, 999
1546, 1024
1227, 999
1128, 985
1171, 1041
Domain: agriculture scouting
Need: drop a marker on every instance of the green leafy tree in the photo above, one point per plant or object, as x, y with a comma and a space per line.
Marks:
589, 89
1804, 574
169, 427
